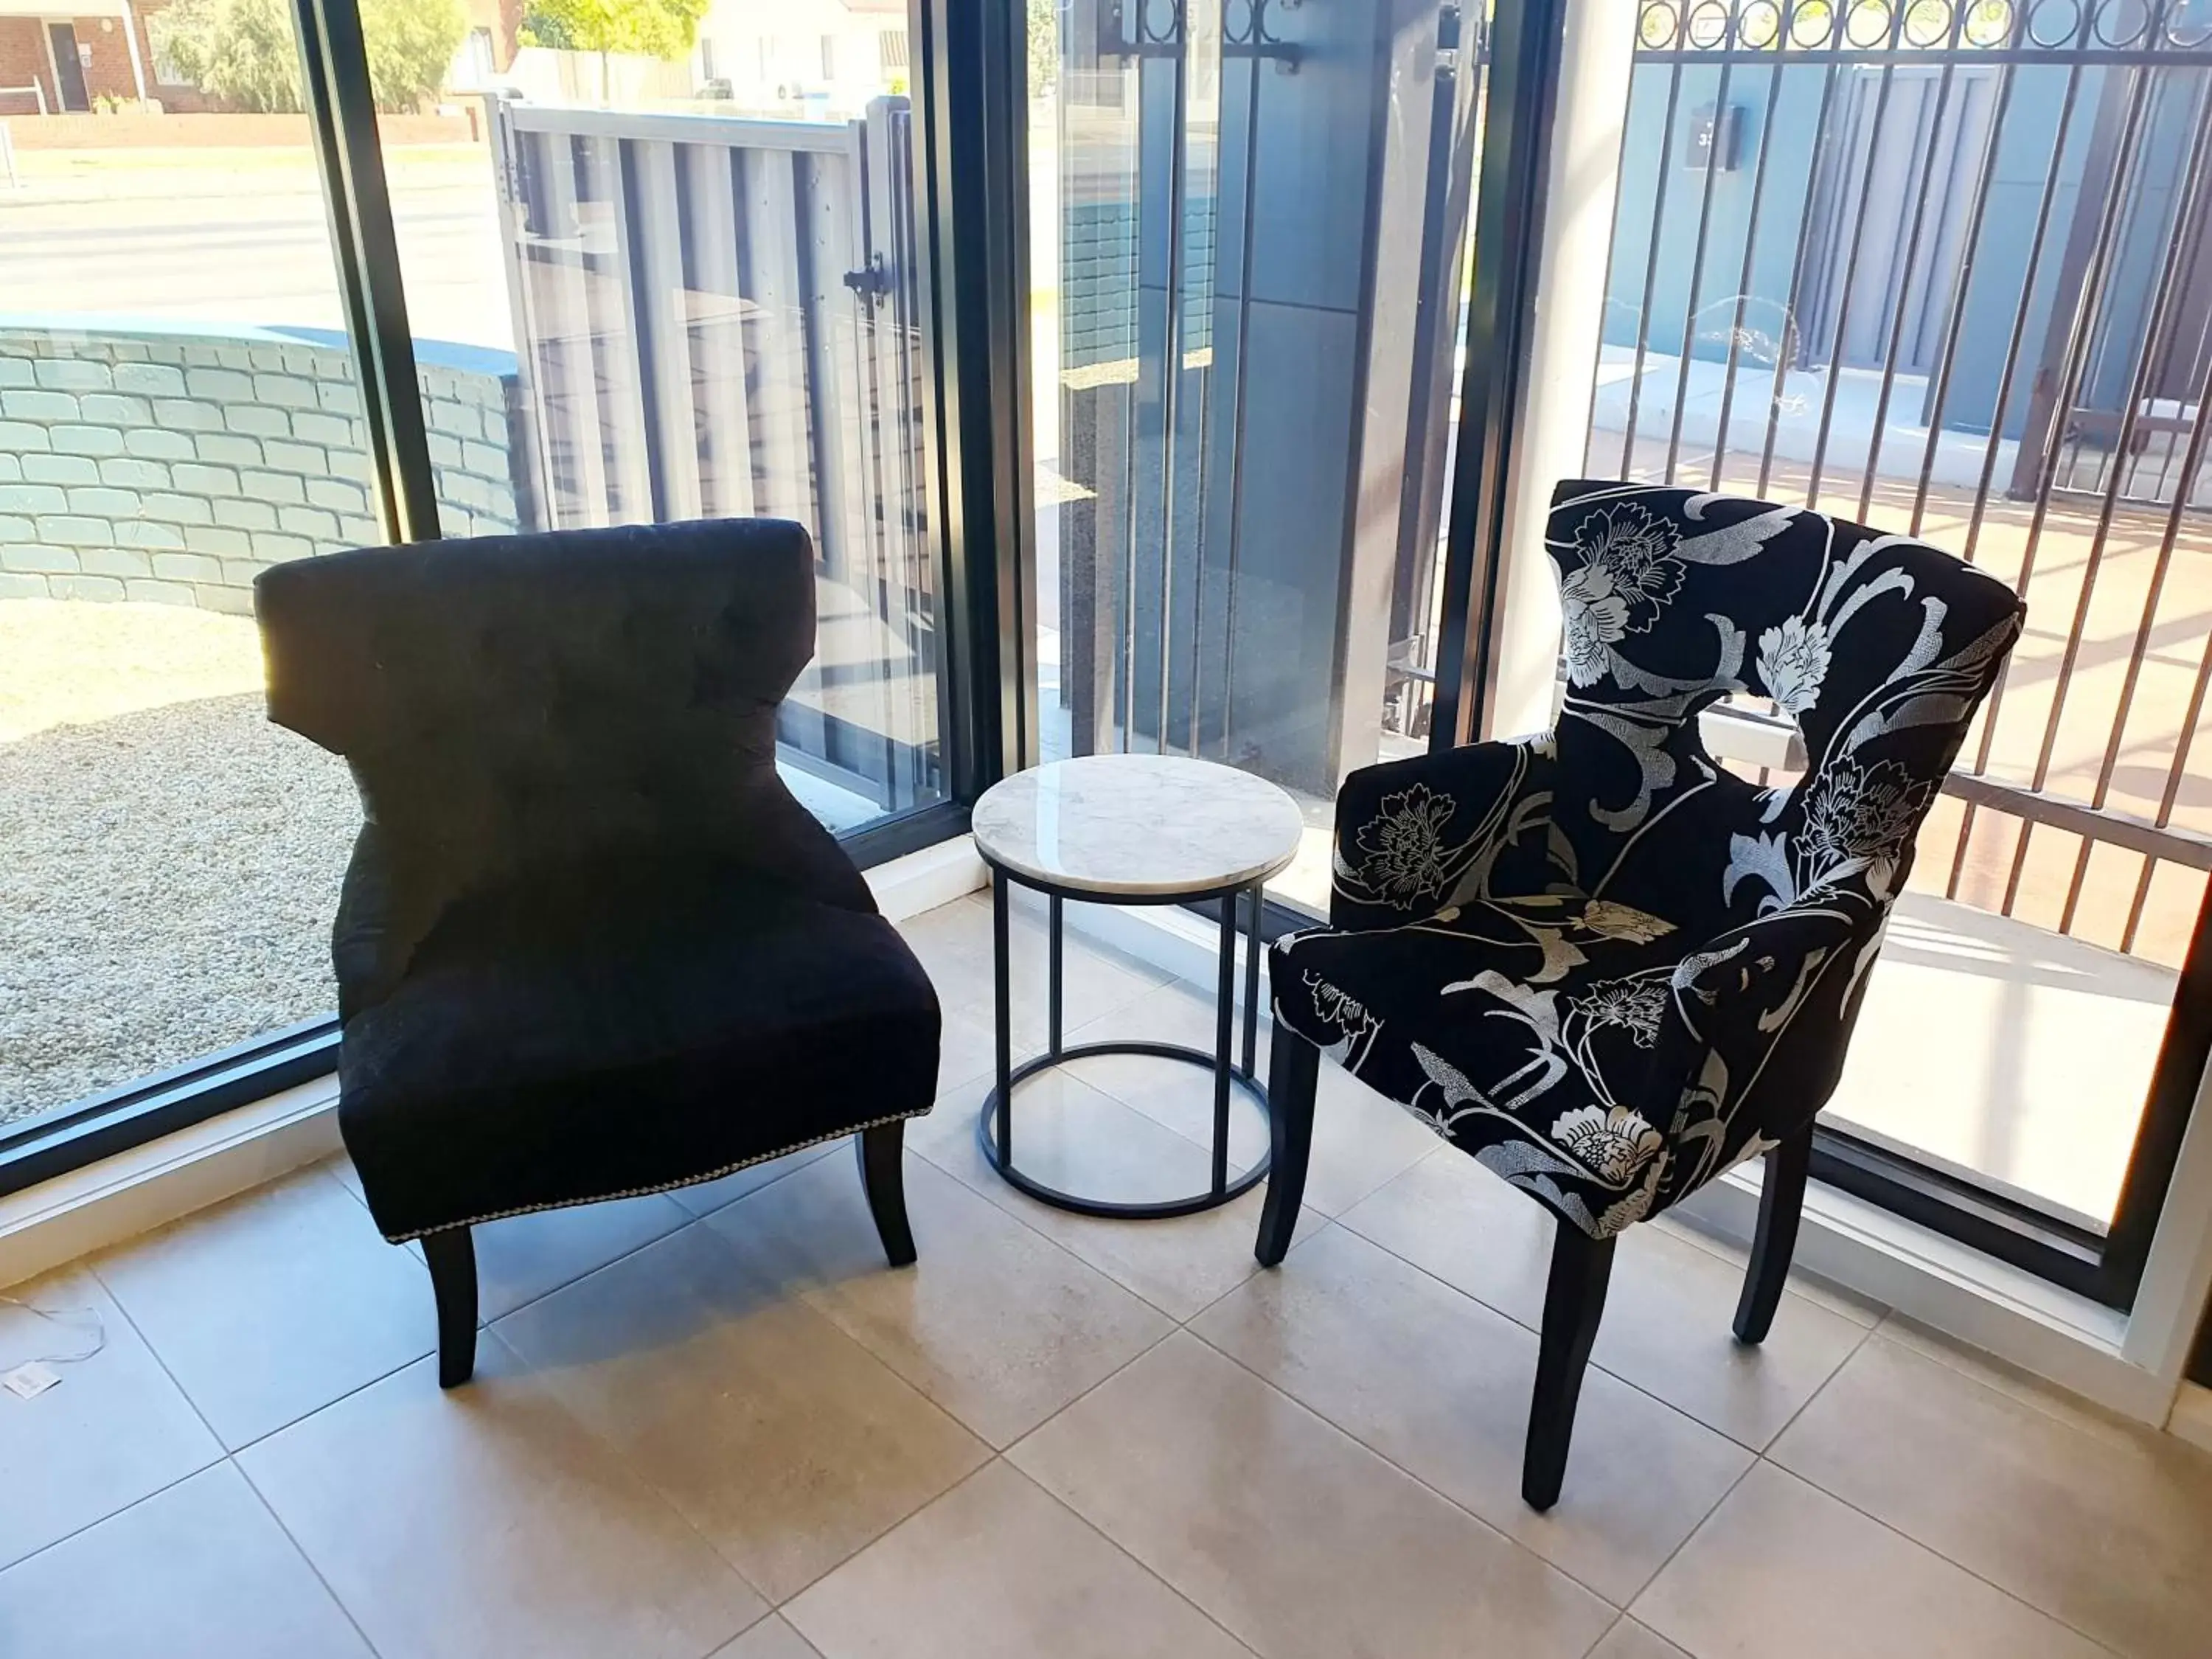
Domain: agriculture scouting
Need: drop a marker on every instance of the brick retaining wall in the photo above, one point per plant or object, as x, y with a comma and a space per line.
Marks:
177, 467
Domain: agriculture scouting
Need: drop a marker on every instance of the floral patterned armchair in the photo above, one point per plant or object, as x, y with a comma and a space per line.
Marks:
1595, 961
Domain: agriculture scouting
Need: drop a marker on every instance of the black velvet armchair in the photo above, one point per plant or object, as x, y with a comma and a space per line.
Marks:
1595, 961
588, 944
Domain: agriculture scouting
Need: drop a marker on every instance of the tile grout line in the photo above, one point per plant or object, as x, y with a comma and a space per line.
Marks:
1104, 1537
301, 1549
1758, 1456
1625, 1383
1905, 1537
1387, 1462
620, 1460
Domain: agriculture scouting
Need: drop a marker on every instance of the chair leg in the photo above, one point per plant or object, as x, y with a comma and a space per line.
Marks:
1574, 1301
1293, 1075
1781, 1201
883, 1174
452, 1258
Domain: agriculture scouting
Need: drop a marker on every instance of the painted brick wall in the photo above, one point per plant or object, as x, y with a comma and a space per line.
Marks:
177, 468
22, 63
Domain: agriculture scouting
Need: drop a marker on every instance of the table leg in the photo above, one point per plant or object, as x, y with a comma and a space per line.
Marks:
1004, 1034
1223, 1054
1052, 977
1257, 899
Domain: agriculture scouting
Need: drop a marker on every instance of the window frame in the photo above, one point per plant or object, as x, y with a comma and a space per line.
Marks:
952, 169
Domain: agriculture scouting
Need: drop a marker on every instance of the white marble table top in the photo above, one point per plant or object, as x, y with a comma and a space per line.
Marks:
1149, 825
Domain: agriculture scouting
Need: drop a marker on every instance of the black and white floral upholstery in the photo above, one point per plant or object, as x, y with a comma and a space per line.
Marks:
1595, 960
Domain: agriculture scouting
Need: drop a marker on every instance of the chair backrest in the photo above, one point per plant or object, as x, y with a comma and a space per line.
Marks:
517, 706
1879, 647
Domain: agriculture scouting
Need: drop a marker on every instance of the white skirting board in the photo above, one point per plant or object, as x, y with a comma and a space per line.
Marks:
2192, 1415
135, 1192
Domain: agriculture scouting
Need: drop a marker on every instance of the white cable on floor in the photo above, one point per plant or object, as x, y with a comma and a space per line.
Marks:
81, 1320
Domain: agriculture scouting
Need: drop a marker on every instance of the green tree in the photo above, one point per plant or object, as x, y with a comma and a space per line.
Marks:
244, 52
1044, 46
650, 28
410, 45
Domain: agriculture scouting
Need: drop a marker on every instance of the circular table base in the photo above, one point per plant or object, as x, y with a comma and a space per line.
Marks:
1238, 1185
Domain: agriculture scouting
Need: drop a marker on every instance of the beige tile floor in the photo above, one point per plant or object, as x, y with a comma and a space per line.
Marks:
712, 1424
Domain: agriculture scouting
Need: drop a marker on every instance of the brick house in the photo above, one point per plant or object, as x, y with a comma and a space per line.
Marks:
70, 54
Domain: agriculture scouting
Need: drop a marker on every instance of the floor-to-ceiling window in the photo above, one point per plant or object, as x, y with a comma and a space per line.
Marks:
1247, 261
178, 410
653, 264
646, 286
1943, 269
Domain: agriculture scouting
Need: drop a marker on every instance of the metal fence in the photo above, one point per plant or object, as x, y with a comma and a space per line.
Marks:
1946, 266
720, 317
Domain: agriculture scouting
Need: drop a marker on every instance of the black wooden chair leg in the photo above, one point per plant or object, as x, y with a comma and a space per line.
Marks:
1293, 1075
1781, 1202
1574, 1301
452, 1258
883, 1174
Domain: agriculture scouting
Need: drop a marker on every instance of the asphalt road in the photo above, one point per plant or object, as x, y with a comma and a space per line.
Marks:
240, 237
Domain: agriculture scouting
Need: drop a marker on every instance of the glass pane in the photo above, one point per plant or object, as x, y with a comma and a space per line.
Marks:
1247, 264
1955, 287
178, 411
651, 289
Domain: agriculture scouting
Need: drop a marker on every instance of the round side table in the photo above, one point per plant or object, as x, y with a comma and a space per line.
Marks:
1132, 830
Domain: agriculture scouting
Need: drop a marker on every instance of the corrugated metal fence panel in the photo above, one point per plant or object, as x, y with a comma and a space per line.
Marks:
719, 316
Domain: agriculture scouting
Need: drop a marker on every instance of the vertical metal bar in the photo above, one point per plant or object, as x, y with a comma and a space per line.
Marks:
1224, 1059
1002, 1031
767, 210
1171, 368
1236, 407
622, 335
1954, 324
1698, 255
2070, 386
2005, 376
342, 119
534, 492
665, 344
570, 378
1256, 900
718, 332
1910, 270
1792, 338
2187, 226
1743, 277
1054, 925
1851, 273
1650, 267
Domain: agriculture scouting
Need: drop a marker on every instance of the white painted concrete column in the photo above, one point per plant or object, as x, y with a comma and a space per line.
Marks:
131, 42
1570, 311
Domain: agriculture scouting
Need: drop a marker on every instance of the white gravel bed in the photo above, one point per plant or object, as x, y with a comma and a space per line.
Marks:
168, 878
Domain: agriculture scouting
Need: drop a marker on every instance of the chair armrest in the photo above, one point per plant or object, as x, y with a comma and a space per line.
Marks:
1769, 1005
1412, 835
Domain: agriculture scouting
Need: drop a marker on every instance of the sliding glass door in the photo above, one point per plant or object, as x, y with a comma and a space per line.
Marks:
1248, 240
178, 410
648, 289
544, 273
1943, 270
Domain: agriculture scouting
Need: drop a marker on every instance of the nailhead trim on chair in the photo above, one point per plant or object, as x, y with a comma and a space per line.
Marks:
664, 1187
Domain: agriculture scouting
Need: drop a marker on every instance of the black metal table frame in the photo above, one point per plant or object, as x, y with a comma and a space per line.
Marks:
995, 1123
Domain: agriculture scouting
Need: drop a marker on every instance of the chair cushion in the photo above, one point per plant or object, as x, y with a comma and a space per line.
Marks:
644, 1028
1546, 1071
